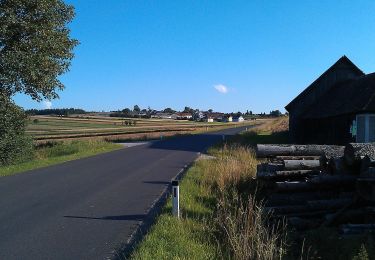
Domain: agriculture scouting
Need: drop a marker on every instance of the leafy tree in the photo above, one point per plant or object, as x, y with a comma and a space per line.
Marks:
188, 110
56, 111
15, 146
136, 109
35, 47
275, 113
126, 111
210, 111
169, 110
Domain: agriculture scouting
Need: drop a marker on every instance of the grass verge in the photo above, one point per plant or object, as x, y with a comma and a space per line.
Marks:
188, 237
221, 216
55, 153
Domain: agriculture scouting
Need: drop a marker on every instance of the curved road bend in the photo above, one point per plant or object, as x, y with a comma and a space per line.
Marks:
87, 208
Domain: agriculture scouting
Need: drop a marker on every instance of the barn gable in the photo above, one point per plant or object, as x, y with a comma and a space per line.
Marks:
343, 70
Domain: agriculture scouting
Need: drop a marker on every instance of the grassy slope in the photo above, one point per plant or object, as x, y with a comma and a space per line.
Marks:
62, 152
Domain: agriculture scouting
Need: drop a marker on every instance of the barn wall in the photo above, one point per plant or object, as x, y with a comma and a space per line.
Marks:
341, 72
335, 130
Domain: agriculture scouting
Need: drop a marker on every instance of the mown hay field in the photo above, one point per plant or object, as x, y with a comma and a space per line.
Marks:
46, 128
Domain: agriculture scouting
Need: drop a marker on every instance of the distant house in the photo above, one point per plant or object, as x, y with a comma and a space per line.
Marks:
216, 116
228, 119
161, 115
337, 108
238, 119
198, 116
184, 116
209, 120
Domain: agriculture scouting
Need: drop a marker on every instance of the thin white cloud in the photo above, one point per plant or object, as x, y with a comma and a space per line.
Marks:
47, 104
221, 88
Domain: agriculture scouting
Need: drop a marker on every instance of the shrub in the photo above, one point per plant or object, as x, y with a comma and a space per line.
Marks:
15, 146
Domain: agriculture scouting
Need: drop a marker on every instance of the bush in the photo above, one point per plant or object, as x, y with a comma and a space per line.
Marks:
15, 146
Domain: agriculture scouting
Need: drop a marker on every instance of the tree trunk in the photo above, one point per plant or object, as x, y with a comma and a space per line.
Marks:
366, 188
278, 175
302, 164
282, 158
333, 179
366, 163
270, 167
296, 198
338, 166
328, 204
353, 229
303, 224
272, 150
293, 186
354, 152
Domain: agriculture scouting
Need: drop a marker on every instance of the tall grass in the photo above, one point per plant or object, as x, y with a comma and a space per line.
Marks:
244, 228
219, 212
247, 232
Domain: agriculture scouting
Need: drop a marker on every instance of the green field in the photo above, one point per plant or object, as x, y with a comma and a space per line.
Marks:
51, 127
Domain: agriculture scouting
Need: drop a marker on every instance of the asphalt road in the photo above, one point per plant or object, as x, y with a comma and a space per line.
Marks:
86, 209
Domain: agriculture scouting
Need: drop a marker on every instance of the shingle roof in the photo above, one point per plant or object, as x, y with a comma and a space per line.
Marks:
351, 96
343, 59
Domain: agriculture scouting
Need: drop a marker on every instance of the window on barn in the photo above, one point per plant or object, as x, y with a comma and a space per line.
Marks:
365, 128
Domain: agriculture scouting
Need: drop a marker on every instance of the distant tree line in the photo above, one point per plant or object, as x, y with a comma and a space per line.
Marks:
138, 112
55, 111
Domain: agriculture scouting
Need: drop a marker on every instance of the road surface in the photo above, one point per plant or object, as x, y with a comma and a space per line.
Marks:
86, 209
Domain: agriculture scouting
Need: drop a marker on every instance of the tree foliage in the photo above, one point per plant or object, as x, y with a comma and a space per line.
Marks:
15, 146
35, 49
56, 111
169, 110
136, 109
35, 46
275, 113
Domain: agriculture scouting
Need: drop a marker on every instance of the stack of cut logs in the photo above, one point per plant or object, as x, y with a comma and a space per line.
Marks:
320, 185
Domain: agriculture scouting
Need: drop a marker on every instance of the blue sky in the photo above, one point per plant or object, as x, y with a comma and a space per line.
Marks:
173, 53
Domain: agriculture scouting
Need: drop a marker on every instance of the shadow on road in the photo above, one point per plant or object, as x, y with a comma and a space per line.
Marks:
121, 217
197, 143
158, 182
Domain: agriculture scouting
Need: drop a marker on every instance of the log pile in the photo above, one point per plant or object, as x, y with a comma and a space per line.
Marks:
320, 185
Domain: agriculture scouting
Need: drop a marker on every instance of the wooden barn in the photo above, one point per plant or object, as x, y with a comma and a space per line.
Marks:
337, 108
